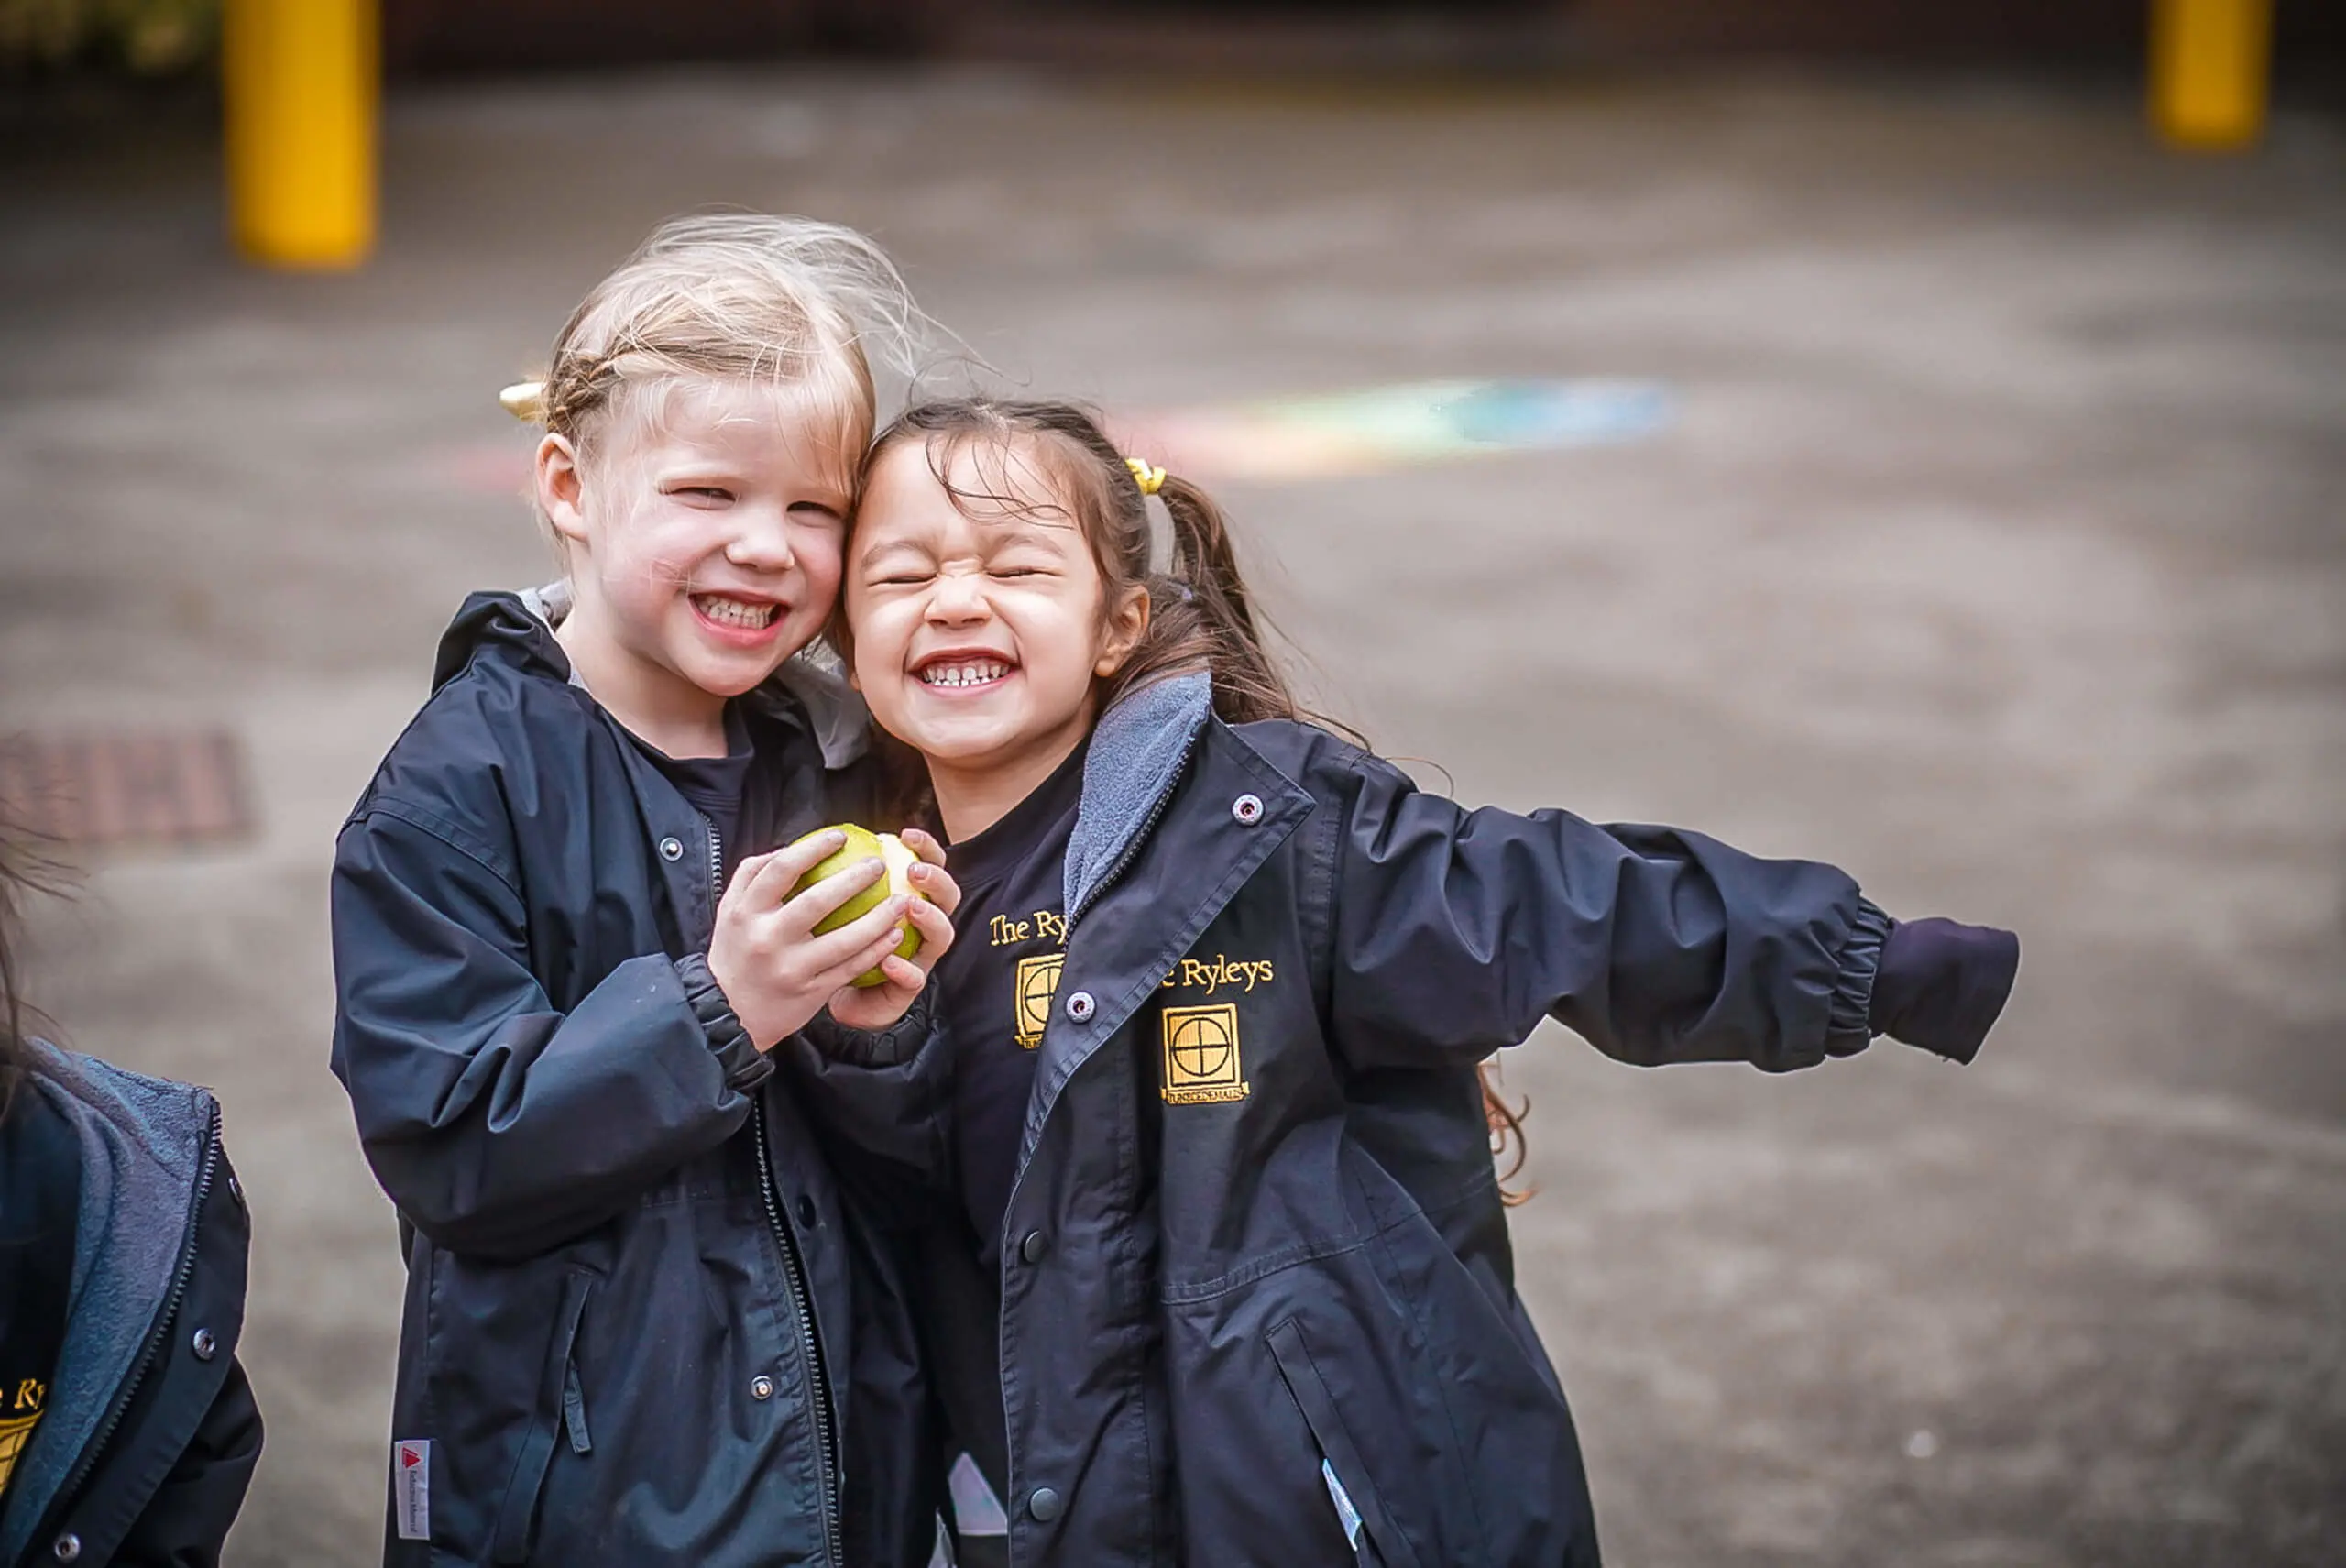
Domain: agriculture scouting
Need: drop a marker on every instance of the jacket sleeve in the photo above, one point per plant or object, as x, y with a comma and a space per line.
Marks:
885, 1095
186, 1522
1454, 931
498, 1126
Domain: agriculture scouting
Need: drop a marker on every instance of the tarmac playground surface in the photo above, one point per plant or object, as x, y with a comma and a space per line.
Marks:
1986, 540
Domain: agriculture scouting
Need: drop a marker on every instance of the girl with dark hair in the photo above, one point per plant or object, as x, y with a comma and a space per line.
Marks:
1220, 1270
128, 1432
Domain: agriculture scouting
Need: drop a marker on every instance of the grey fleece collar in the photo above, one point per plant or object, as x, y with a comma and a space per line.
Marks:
144, 1142
842, 725
1137, 751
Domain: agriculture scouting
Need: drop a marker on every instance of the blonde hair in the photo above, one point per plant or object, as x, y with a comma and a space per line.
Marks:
789, 303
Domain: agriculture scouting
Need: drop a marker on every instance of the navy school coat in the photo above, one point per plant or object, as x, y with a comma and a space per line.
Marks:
1255, 1227
640, 1324
151, 1432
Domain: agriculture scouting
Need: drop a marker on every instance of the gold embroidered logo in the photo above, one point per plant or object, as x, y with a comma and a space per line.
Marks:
1038, 983
1201, 1055
1210, 975
14, 1430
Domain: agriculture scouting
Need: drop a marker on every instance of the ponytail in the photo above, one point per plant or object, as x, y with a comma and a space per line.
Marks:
24, 870
1202, 617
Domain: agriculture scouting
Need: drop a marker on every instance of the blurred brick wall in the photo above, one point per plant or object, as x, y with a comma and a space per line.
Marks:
2031, 29
422, 36
2011, 30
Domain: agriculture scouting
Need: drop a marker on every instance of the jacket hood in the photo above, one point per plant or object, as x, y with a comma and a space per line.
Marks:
145, 1145
517, 630
508, 626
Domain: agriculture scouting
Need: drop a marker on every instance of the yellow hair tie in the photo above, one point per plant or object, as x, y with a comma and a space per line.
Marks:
525, 401
1148, 477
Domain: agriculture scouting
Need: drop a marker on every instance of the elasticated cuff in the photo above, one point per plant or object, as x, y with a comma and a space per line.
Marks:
745, 1066
1849, 1026
892, 1047
1942, 984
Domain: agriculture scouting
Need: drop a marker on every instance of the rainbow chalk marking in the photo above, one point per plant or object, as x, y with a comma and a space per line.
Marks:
1376, 429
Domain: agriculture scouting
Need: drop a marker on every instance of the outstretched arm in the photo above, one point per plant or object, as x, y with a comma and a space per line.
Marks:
1457, 931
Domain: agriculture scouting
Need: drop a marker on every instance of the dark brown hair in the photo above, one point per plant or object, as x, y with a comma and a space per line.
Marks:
24, 869
1201, 617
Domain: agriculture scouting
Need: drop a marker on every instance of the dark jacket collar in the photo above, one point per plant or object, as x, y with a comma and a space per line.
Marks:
145, 1146
1138, 749
517, 629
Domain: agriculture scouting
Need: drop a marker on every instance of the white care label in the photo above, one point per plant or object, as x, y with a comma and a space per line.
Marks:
1346, 1514
976, 1511
412, 1488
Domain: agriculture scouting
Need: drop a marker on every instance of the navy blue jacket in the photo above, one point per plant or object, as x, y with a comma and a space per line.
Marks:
150, 1433
1256, 1223
638, 1325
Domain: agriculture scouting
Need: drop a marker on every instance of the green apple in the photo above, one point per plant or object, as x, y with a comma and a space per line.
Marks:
861, 845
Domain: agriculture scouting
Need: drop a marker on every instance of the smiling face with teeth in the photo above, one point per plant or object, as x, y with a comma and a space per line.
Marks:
702, 533
978, 622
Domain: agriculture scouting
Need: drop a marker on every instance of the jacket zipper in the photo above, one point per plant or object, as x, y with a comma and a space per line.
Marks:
1133, 845
164, 1324
810, 1349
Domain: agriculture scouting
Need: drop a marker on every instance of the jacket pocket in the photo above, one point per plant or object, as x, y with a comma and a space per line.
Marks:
560, 1405
1343, 1468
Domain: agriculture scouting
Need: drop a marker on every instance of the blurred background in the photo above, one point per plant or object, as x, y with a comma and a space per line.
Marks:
1905, 435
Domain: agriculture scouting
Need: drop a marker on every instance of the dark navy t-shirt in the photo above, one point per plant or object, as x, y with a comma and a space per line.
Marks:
40, 1194
714, 787
996, 983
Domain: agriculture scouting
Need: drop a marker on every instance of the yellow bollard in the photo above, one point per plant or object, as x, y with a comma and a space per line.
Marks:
2209, 63
299, 81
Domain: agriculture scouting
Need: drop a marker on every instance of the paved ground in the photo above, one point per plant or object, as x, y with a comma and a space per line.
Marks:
1997, 554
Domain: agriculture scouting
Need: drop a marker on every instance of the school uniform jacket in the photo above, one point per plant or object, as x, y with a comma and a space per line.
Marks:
150, 1434
639, 1326
1255, 1222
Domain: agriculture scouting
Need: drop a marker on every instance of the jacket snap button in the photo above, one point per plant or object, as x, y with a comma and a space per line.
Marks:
761, 1388
1043, 1504
806, 1213
1081, 1006
205, 1346
67, 1549
236, 1189
671, 849
1248, 810
1034, 1246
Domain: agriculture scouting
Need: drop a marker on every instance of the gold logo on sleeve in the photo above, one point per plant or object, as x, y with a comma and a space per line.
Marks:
1201, 1055
1038, 983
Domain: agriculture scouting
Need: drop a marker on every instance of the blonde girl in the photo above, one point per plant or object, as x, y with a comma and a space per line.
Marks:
639, 1326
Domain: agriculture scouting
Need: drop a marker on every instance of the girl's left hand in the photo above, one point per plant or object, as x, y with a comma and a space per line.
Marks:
876, 1007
